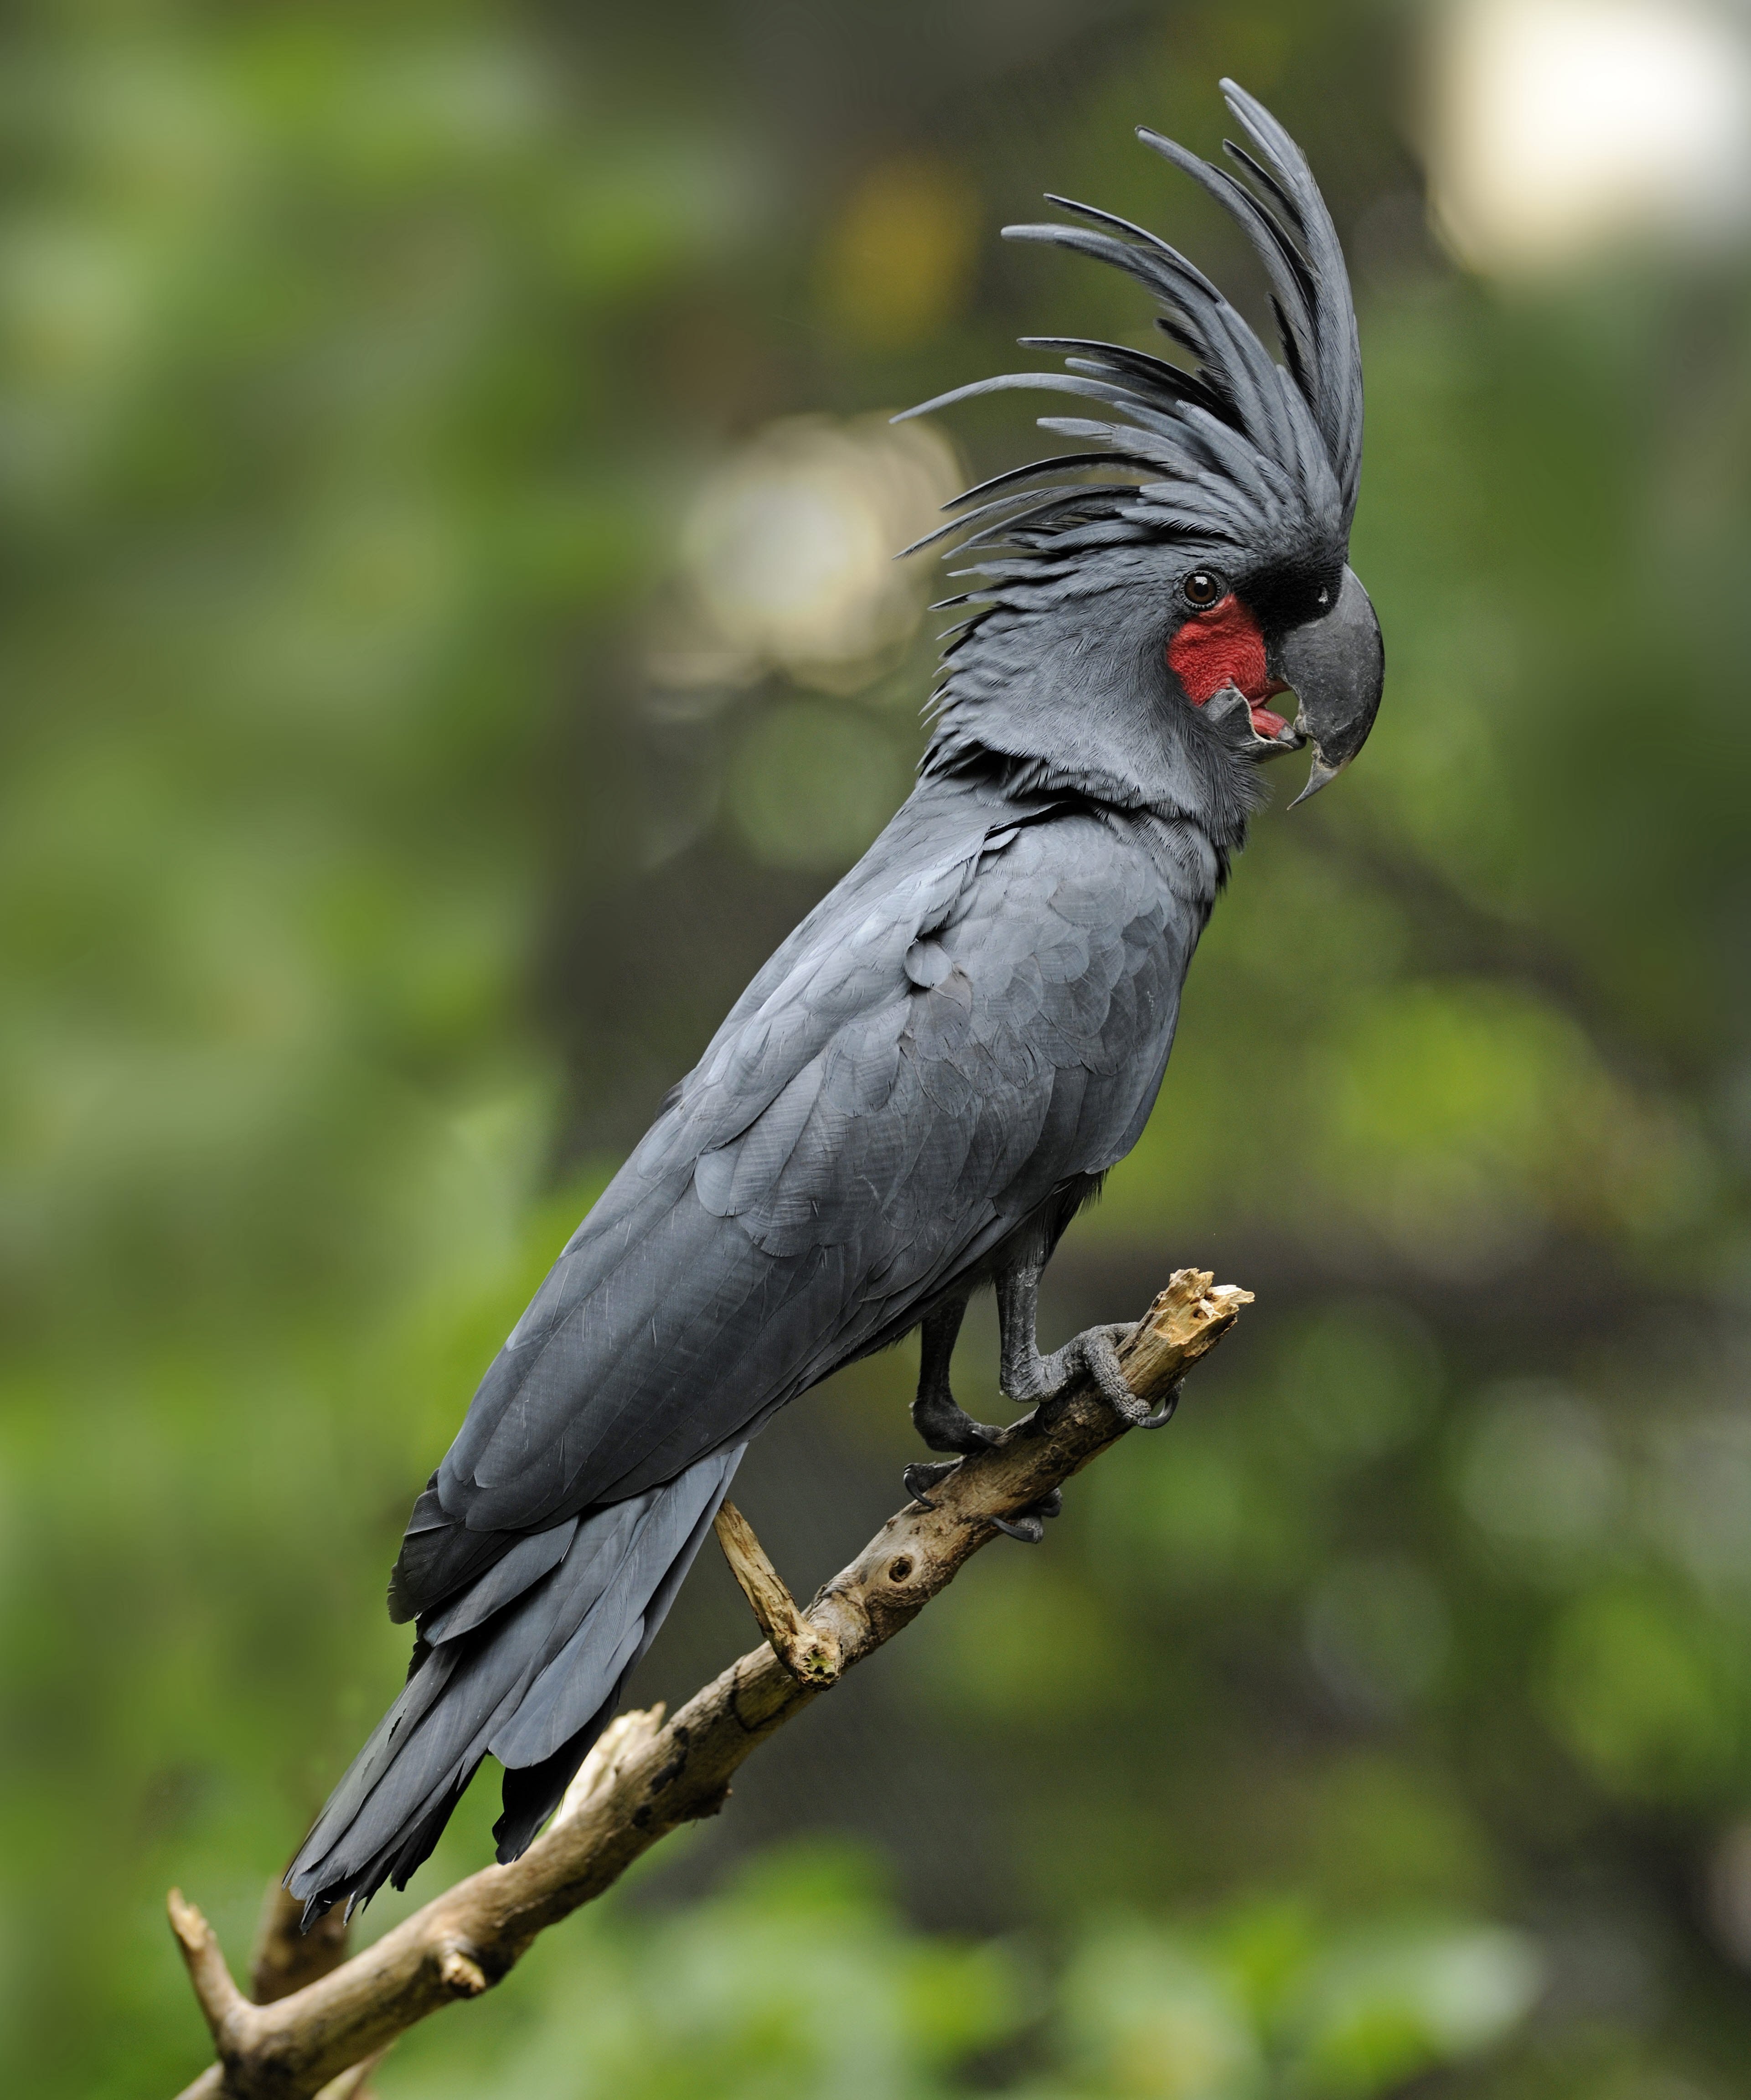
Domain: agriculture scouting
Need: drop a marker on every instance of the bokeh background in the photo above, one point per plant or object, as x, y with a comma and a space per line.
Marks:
448, 635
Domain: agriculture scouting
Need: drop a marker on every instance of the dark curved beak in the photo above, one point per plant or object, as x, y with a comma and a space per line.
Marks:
1336, 667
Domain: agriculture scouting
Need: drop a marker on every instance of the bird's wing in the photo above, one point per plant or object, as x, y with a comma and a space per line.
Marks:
907, 1082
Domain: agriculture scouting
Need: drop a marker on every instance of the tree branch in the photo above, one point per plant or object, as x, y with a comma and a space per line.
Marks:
646, 1777
809, 1652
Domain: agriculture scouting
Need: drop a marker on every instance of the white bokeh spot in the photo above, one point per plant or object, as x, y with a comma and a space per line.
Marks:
1557, 128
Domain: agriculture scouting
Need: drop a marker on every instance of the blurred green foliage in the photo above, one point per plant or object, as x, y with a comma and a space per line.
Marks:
1388, 1720
799, 1978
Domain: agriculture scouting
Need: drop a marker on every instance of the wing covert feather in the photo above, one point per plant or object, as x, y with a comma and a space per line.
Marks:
980, 1013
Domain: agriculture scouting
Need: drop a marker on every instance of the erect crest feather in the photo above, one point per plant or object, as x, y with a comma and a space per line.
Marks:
1238, 448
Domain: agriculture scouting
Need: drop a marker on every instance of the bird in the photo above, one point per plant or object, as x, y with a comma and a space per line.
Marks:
933, 1073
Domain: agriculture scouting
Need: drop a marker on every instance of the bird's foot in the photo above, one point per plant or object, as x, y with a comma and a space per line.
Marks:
1094, 1351
924, 1474
944, 1426
1028, 1525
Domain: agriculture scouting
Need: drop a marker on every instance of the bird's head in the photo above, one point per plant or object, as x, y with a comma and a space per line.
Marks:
1128, 636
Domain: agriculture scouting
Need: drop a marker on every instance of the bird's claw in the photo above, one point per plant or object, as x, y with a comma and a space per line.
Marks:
1140, 1417
1028, 1526
945, 1429
924, 1474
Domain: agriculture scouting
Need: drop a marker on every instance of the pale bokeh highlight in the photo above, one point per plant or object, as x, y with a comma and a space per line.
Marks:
1557, 128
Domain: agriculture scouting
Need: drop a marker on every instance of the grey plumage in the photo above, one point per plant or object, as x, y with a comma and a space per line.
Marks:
916, 1092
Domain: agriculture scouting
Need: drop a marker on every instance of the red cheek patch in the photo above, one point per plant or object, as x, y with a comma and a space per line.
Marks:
1220, 647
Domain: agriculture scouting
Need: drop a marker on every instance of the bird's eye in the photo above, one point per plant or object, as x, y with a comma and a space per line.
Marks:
1201, 589
1325, 595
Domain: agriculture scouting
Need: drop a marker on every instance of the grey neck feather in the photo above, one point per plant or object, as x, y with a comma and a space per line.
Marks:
1077, 694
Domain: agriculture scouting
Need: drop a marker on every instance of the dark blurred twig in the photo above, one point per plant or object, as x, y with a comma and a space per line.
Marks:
645, 1777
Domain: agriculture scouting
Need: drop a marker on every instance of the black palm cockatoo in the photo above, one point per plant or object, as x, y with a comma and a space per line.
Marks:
916, 1093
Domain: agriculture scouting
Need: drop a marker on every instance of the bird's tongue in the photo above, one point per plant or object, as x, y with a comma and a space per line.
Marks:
1266, 721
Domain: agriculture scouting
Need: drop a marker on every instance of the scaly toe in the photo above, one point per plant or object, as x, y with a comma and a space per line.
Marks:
1099, 1351
1139, 1416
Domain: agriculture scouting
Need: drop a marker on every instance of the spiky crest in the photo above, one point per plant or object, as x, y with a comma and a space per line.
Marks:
1238, 450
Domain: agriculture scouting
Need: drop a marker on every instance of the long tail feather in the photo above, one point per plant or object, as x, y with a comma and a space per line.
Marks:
533, 1678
